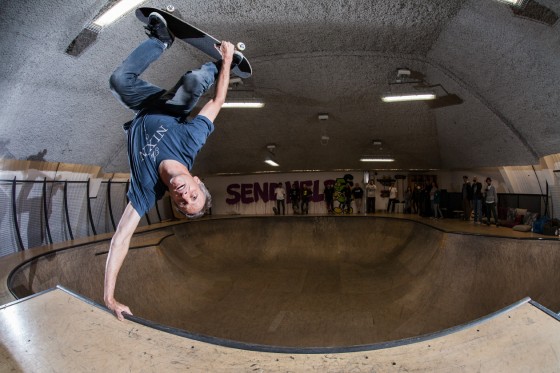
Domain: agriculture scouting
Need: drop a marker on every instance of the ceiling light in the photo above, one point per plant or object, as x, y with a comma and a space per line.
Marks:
517, 3
271, 162
376, 159
270, 157
408, 97
117, 11
243, 105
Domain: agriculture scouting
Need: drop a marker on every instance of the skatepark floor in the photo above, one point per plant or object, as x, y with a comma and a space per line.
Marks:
306, 283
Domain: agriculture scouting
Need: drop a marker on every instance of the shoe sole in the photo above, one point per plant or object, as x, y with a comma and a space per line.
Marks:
158, 16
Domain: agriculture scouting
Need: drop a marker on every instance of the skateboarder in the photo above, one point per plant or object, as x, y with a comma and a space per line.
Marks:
162, 144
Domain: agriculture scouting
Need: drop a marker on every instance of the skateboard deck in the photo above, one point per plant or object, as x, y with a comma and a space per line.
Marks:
195, 37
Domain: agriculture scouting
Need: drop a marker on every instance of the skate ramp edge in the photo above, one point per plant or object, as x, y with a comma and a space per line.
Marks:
65, 331
304, 282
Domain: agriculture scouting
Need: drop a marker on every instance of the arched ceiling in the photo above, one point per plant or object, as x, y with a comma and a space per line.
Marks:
309, 57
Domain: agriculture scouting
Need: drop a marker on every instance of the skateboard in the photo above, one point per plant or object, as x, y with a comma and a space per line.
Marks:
276, 212
196, 37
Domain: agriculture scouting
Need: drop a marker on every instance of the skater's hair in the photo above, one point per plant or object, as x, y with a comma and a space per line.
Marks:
207, 204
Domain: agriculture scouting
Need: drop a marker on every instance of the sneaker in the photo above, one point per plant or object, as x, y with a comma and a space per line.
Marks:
157, 28
237, 58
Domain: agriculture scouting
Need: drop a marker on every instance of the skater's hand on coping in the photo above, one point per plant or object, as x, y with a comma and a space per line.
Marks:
118, 309
227, 49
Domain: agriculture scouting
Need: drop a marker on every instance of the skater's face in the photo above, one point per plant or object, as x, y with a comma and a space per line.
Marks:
186, 193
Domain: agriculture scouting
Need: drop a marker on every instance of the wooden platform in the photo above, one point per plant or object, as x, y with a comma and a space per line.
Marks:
58, 332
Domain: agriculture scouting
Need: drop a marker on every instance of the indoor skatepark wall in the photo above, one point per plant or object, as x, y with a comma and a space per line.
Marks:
309, 281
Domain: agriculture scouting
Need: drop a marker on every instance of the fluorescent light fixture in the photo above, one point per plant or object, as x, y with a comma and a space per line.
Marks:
517, 3
408, 97
376, 159
116, 11
243, 105
269, 161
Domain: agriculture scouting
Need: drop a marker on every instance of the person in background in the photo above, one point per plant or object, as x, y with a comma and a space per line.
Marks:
435, 198
393, 193
466, 192
347, 193
491, 201
408, 200
305, 197
329, 197
294, 197
280, 194
416, 197
371, 189
477, 200
358, 195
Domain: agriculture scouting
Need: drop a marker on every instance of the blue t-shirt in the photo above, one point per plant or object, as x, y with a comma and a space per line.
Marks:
153, 138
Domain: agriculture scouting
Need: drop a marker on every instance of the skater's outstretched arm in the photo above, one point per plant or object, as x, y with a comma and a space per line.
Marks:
212, 107
117, 252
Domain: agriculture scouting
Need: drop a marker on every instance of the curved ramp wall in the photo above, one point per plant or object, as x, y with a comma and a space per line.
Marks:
309, 281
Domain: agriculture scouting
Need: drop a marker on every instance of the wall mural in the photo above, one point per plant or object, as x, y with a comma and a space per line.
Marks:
342, 194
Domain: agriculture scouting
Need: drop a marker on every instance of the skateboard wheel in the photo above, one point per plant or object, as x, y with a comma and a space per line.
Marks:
240, 46
170, 8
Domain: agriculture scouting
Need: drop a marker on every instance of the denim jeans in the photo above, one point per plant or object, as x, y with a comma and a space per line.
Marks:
477, 207
280, 203
137, 94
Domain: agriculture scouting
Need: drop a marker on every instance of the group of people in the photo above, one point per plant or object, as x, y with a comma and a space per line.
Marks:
475, 196
350, 195
299, 198
477, 200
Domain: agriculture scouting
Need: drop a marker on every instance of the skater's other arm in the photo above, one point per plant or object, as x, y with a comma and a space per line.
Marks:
212, 107
117, 252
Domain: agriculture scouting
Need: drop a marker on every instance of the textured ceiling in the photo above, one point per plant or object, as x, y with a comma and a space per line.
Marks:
334, 57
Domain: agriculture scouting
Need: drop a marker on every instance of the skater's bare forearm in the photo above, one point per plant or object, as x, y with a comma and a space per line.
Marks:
213, 107
117, 253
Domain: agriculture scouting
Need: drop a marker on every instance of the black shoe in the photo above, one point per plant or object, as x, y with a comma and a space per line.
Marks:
157, 28
237, 58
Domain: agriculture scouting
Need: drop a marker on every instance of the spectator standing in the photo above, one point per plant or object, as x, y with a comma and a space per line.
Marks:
393, 194
408, 200
491, 201
280, 194
347, 192
477, 200
294, 197
416, 196
467, 194
371, 189
358, 195
305, 196
435, 198
329, 197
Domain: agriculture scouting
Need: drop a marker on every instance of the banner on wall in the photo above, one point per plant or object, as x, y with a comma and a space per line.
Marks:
263, 191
